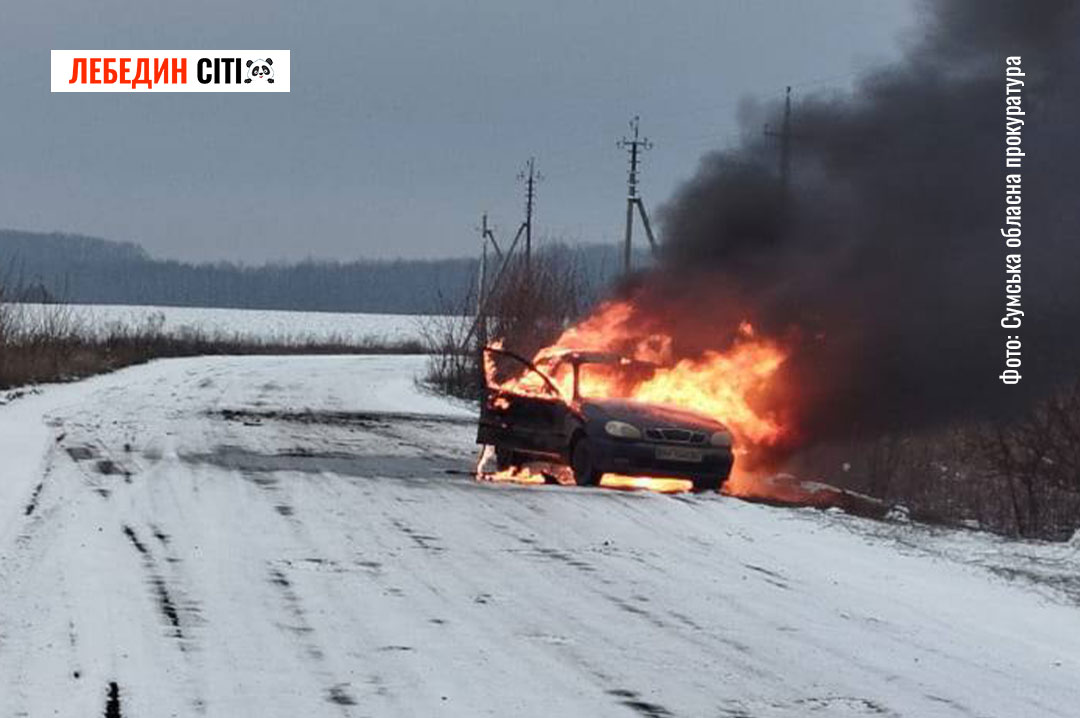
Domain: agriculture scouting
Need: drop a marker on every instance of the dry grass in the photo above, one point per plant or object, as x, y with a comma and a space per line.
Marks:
1020, 478
53, 346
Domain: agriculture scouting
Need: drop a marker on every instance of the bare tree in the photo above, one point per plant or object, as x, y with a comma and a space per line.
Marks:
527, 309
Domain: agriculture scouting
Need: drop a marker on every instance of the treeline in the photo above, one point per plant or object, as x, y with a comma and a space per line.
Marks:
88, 270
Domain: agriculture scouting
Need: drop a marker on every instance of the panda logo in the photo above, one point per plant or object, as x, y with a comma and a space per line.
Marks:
260, 69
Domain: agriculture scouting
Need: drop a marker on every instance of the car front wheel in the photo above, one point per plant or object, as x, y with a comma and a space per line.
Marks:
583, 462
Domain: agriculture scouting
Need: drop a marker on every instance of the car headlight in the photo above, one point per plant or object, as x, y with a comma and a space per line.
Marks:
622, 430
720, 438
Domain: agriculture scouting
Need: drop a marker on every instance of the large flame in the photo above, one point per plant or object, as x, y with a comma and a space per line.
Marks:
732, 385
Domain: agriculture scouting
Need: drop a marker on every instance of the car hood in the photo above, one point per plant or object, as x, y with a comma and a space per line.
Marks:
646, 415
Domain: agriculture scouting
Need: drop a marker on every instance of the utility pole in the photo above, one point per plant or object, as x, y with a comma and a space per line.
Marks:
531, 177
481, 282
479, 324
785, 143
634, 145
482, 279
490, 234
487, 234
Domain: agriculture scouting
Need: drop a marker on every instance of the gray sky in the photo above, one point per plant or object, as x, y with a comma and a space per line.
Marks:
406, 119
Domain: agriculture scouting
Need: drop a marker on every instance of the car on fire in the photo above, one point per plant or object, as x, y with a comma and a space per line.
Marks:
545, 414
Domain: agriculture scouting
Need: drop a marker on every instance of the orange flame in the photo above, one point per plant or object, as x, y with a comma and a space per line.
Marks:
659, 484
719, 384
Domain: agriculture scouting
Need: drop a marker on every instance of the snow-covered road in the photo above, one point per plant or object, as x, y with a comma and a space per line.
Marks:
280, 537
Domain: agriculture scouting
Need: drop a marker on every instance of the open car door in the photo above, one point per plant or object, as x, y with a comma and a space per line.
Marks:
522, 410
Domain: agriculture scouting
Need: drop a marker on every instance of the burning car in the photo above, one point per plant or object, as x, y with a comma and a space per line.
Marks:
543, 411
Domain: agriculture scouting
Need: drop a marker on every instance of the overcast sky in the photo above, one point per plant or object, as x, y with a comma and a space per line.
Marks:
406, 119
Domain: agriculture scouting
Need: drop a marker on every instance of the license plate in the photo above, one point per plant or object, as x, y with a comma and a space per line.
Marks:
678, 453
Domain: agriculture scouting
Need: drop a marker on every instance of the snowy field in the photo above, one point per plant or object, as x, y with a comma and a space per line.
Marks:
268, 325
265, 536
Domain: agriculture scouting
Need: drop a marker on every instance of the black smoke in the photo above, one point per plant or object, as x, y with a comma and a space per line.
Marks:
883, 262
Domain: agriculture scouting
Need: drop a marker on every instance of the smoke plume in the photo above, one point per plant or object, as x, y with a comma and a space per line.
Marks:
883, 263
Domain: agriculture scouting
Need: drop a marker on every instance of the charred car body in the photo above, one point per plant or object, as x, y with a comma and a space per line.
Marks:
544, 415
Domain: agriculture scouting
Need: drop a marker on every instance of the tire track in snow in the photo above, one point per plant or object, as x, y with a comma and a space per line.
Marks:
337, 692
112, 701
163, 596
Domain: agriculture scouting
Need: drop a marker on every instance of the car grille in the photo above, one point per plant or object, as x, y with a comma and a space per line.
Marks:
676, 436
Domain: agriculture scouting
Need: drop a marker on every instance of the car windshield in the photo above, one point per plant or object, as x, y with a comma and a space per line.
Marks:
611, 377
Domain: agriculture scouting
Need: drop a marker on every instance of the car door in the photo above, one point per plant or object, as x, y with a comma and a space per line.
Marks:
522, 410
